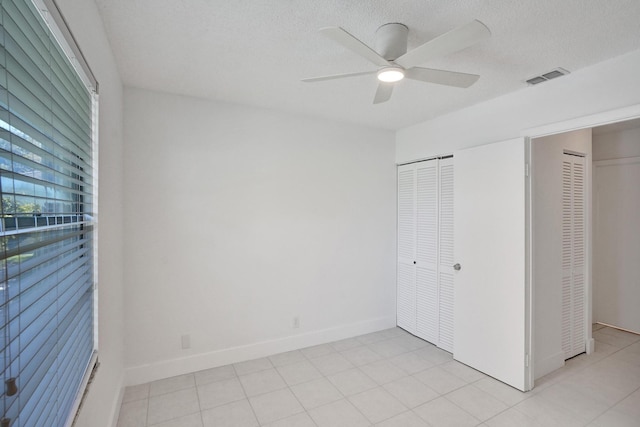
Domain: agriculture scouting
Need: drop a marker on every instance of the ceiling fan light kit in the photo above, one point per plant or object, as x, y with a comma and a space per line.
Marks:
395, 63
390, 74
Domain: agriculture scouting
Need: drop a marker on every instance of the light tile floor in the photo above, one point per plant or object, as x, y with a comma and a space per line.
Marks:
392, 379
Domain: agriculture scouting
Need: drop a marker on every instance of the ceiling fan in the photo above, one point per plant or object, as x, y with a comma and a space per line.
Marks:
395, 63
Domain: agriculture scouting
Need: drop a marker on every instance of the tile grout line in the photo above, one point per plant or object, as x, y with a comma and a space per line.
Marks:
615, 404
195, 387
246, 395
460, 407
198, 397
146, 418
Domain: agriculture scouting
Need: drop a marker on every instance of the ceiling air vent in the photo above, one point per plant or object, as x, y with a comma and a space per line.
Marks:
547, 76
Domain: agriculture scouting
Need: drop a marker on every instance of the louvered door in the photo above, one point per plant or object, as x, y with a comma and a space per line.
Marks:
406, 281
446, 260
573, 255
425, 250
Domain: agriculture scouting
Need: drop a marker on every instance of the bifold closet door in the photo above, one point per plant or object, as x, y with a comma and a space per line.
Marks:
573, 255
427, 295
406, 280
445, 255
425, 250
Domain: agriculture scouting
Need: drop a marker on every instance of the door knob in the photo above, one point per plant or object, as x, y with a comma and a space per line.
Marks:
457, 267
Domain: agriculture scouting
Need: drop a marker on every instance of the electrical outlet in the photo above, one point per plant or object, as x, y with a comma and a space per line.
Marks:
186, 342
296, 322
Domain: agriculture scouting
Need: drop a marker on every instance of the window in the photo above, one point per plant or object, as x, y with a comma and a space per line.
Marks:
47, 130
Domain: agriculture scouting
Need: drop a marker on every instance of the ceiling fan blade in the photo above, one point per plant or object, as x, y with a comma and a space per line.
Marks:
452, 41
383, 93
347, 40
441, 77
337, 76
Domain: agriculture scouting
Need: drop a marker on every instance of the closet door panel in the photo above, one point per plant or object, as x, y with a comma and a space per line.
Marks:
406, 214
427, 251
446, 259
406, 281
578, 342
406, 297
445, 341
446, 214
578, 243
567, 227
573, 256
427, 305
427, 215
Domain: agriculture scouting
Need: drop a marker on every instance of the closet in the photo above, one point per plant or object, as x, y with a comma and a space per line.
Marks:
573, 255
425, 251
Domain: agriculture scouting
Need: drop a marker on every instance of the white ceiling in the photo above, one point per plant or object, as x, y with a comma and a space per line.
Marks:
255, 52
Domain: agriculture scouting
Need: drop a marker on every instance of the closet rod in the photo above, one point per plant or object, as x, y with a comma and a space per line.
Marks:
426, 160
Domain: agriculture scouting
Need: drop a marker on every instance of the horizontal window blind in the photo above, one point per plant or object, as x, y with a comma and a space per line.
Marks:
46, 228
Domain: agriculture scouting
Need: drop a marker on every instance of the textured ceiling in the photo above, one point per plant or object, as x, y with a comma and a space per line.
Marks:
255, 52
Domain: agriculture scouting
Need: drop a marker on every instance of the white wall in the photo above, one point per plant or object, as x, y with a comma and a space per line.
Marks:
616, 145
603, 87
616, 271
103, 400
239, 219
546, 168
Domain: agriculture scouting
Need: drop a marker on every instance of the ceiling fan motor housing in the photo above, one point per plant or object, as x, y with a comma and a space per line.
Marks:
391, 40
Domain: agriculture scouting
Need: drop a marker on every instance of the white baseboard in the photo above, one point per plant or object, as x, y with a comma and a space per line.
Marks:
591, 345
117, 404
168, 368
548, 365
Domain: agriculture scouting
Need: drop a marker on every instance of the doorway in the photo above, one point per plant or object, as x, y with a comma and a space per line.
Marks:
616, 229
561, 182
610, 280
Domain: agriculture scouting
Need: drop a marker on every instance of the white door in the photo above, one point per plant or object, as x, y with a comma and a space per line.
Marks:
425, 251
446, 255
406, 282
491, 292
573, 256
427, 326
